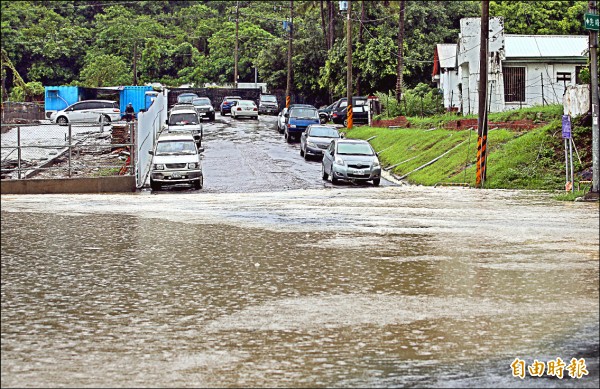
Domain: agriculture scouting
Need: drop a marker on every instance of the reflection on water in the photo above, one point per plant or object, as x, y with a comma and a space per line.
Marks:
123, 301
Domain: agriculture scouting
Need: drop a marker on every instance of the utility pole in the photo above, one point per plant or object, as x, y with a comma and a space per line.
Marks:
399, 70
592, 6
349, 114
288, 88
235, 69
483, 80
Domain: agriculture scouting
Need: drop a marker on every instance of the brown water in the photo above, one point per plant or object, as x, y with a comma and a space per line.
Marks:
396, 286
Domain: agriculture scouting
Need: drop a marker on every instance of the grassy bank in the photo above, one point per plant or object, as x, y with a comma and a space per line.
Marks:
532, 159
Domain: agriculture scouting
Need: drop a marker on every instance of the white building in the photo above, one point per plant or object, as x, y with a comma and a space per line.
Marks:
523, 70
445, 74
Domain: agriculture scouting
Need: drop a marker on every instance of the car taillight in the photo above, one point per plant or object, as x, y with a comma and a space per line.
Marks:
239, 109
255, 109
335, 115
225, 102
116, 110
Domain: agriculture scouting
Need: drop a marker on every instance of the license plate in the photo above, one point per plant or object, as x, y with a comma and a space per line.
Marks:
176, 175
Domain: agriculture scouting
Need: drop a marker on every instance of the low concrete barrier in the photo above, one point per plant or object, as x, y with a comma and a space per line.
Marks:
69, 185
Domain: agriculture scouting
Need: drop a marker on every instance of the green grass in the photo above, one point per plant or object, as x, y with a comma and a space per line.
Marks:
516, 160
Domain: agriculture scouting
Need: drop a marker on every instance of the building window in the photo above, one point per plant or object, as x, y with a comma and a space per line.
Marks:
514, 84
578, 70
563, 76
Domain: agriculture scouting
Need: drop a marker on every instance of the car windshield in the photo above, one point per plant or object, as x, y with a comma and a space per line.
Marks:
175, 147
354, 149
183, 118
324, 132
304, 113
201, 102
246, 103
185, 98
269, 99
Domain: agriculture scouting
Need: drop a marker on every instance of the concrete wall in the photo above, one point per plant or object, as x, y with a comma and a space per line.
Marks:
114, 184
576, 100
448, 83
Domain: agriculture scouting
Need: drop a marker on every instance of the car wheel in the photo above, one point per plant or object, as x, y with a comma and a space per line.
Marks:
376, 181
106, 119
62, 121
302, 153
288, 137
346, 123
154, 185
324, 174
198, 184
222, 114
334, 180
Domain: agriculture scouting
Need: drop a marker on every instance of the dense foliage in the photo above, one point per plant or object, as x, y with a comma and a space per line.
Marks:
106, 43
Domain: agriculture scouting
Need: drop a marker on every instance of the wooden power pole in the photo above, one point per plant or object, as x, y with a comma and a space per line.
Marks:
399, 70
235, 68
288, 88
349, 115
482, 92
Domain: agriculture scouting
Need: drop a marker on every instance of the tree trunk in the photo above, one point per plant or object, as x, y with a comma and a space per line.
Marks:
400, 54
323, 26
331, 8
288, 89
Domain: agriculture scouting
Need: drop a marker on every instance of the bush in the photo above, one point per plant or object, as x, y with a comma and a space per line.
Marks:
419, 101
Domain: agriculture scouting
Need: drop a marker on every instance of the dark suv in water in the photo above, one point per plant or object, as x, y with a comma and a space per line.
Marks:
268, 104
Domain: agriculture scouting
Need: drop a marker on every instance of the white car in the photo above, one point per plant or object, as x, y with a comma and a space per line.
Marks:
281, 120
185, 119
244, 108
176, 160
88, 111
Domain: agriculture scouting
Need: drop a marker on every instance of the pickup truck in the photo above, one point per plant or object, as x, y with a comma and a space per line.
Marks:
185, 120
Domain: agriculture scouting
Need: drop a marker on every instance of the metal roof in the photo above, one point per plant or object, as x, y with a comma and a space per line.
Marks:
546, 46
447, 55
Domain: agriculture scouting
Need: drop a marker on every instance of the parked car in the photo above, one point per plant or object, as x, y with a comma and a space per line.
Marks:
325, 112
281, 119
204, 108
175, 160
351, 160
339, 106
268, 104
317, 138
360, 115
226, 104
182, 120
186, 98
244, 108
297, 119
88, 111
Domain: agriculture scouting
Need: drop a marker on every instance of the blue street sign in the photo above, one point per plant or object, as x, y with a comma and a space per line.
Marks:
566, 127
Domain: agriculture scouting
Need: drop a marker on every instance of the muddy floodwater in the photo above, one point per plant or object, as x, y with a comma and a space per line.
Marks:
335, 287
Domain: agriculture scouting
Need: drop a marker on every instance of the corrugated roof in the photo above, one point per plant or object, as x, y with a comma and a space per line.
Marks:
536, 46
447, 55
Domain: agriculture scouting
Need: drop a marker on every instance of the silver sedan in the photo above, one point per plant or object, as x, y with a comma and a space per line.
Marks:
351, 160
316, 139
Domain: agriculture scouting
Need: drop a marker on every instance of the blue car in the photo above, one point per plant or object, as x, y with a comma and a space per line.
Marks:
226, 104
297, 119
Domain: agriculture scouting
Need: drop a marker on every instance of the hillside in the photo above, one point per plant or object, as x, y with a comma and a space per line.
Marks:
518, 159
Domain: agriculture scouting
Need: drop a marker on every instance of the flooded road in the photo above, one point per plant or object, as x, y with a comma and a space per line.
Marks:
315, 287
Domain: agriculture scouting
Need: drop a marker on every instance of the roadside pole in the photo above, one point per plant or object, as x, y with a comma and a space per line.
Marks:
482, 93
288, 89
235, 65
349, 112
593, 9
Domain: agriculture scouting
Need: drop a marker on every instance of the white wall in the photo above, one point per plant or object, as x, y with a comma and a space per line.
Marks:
468, 60
149, 125
448, 83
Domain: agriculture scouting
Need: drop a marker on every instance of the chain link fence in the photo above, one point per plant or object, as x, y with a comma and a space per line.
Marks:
74, 150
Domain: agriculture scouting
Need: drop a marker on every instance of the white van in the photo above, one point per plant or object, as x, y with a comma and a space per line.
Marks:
88, 111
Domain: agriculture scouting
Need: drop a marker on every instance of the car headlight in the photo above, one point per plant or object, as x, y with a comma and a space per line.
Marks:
311, 144
193, 165
376, 163
159, 166
291, 126
339, 161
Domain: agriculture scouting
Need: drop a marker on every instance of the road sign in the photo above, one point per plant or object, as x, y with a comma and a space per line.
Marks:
592, 22
566, 127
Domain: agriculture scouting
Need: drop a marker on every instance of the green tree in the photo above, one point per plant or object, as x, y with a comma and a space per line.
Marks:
105, 70
541, 17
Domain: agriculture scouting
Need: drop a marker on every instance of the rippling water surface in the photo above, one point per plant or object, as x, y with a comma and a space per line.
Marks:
252, 294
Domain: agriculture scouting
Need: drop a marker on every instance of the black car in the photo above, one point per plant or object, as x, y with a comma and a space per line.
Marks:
360, 115
268, 104
325, 112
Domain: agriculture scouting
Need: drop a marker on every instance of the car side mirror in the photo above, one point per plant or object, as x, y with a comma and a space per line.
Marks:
151, 152
342, 135
287, 115
200, 149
